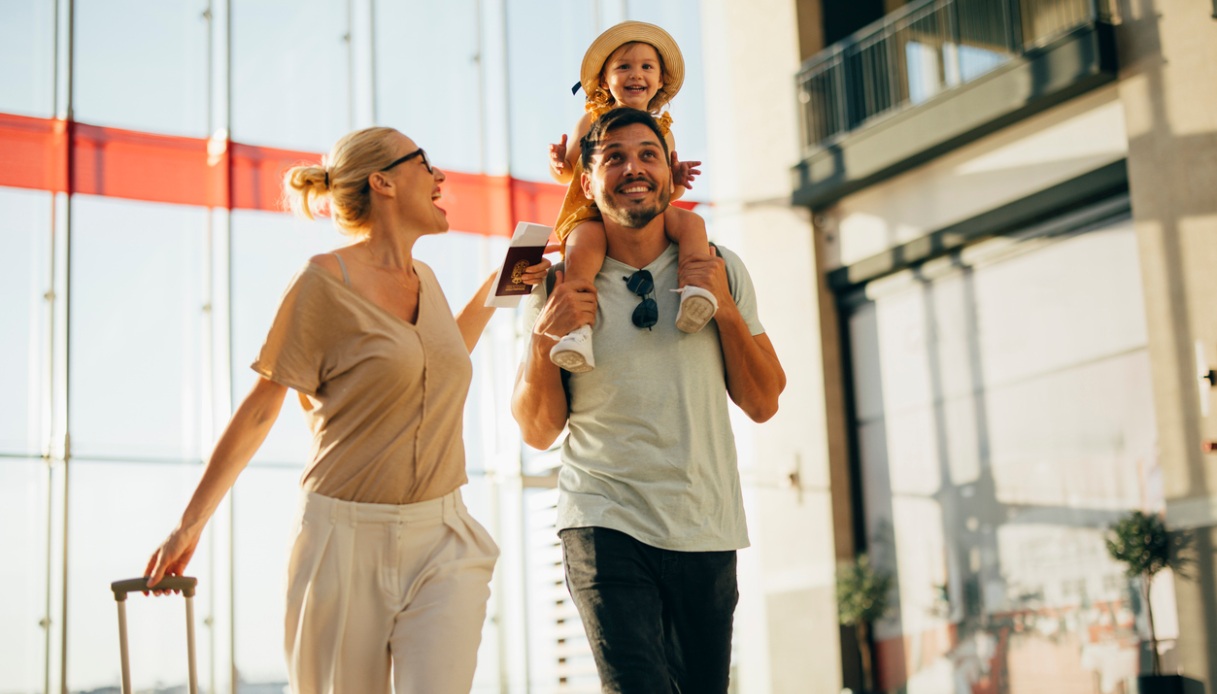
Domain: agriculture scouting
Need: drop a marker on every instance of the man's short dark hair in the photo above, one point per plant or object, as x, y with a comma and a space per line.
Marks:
614, 119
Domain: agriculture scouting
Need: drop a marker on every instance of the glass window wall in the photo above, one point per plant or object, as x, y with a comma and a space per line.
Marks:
24, 314
27, 51
137, 329
117, 80
290, 73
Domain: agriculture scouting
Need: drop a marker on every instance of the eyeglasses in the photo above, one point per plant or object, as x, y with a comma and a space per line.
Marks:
416, 153
646, 313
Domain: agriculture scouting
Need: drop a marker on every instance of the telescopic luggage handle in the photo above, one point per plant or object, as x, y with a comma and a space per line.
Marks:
187, 585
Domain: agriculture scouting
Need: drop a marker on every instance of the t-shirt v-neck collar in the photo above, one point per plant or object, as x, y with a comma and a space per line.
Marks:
372, 305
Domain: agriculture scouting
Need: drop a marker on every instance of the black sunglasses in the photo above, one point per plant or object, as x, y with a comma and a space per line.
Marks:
646, 313
416, 153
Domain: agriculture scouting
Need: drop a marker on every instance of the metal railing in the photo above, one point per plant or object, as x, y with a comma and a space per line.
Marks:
922, 50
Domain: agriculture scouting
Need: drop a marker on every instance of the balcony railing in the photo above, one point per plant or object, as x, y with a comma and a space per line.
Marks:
920, 51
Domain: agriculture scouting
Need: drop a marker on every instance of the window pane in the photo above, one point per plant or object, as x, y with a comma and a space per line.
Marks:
267, 250
545, 48
137, 328
142, 65
27, 40
264, 510
25, 243
289, 73
23, 578
427, 78
109, 541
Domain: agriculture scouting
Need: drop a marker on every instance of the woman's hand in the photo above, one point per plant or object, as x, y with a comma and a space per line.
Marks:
535, 274
171, 558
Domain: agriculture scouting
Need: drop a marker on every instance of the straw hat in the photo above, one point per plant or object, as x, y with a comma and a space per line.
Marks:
634, 32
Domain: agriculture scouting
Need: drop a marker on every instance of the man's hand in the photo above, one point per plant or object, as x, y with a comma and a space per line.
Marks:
710, 273
683, 172
571, 305
557, 157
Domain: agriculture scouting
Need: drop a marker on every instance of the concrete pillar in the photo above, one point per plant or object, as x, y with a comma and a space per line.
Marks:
1168, 87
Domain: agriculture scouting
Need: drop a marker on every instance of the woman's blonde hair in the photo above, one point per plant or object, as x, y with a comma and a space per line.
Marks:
340, 184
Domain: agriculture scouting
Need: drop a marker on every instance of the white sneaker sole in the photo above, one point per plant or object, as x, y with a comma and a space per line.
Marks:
695, 312
572, 361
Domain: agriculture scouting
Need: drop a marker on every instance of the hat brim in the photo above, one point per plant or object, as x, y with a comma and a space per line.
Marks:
634, 32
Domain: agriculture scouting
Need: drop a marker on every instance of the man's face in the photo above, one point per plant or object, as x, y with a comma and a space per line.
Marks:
630, 177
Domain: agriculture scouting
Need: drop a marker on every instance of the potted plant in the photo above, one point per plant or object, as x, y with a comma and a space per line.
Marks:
1144, 545
862, 597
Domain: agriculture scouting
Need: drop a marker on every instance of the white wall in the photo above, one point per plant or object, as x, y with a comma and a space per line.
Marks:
787, 635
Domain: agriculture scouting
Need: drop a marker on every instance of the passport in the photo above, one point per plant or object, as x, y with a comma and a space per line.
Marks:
526, 248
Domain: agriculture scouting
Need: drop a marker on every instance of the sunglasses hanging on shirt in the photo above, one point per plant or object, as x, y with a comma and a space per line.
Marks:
646, 313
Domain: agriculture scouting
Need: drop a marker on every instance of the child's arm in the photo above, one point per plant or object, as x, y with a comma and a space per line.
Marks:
564, 154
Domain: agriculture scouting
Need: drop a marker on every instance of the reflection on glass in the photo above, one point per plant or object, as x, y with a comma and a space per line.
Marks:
289, 73
130, 76
27, 39
23, 578
137, 316
108, 541
1004, 420
25, 233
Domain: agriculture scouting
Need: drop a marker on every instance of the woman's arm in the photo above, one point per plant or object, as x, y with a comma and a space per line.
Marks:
241, 439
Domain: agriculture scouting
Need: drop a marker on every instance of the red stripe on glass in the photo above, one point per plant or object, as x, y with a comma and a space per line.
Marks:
220, 173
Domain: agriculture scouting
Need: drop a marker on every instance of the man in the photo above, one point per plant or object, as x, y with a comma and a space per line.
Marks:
650, 511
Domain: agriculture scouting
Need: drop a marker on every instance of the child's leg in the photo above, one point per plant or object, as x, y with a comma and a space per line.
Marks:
688, 231
586, 246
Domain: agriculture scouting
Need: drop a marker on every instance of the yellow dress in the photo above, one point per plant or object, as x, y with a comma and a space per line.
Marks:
576, 208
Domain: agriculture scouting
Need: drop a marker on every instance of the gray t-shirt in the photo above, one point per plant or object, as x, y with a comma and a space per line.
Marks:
649, 450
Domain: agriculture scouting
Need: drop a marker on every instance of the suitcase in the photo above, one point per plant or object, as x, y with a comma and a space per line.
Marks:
186, 584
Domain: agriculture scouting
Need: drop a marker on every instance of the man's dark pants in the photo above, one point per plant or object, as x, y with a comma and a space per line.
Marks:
657, 620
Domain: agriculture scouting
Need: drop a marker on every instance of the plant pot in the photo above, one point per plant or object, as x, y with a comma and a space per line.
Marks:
1168, 684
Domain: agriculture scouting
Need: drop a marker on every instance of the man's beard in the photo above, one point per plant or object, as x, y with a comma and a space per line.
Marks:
632, 217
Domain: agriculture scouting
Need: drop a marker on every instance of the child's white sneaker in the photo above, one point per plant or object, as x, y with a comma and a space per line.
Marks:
697, 307
574, 352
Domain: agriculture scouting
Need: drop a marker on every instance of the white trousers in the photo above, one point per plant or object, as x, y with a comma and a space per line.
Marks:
379, 593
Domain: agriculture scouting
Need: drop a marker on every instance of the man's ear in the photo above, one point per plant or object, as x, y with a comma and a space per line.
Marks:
585, 182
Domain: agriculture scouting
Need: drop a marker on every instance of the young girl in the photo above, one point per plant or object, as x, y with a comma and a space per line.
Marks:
631, 65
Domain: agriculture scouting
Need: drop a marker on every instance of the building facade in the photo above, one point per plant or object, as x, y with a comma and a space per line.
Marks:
1007, 211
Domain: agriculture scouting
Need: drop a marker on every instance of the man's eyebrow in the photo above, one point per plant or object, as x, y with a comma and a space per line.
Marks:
618, 145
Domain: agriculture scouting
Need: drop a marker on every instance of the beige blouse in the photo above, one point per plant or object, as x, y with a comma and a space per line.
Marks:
384, 399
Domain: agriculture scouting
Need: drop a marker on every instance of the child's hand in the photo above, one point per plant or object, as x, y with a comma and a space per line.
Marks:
557, 156
683, 172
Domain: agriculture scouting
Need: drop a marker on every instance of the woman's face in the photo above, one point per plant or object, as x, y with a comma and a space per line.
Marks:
633, 75
416, 184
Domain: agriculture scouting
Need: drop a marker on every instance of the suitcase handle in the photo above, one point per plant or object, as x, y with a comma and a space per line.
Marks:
186, 584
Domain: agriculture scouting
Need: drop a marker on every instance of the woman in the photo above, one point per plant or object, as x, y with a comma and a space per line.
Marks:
389, 574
